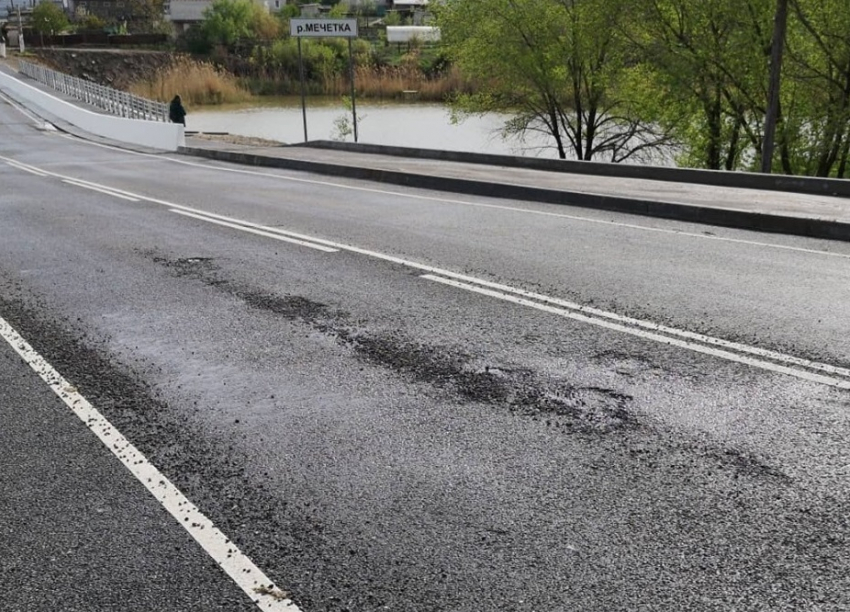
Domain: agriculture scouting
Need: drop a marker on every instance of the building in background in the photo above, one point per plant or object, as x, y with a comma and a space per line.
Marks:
13, 14
183, 13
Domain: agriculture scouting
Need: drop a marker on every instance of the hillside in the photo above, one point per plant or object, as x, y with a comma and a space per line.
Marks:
116, 68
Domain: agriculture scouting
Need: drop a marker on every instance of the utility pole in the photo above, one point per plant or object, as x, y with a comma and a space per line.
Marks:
20, 31
780, 24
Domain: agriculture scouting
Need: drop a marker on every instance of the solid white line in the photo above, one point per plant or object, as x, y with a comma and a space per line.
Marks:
258, 232
765, 353
516, 209
225, 553
104, 190
692, 346
744, 348
790, 359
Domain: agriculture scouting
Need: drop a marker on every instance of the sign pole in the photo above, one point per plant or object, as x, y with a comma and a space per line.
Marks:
303, 102
334, 28
351, 78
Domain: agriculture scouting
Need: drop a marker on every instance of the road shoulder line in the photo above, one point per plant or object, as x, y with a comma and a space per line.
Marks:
225, 553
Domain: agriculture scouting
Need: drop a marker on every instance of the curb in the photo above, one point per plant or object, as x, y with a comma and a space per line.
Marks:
714, 178
739, 219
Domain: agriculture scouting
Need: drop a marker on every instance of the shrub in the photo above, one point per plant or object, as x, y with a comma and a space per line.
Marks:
197, 83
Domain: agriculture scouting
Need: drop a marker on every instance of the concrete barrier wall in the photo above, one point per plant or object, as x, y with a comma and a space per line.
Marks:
716, 178
154, 134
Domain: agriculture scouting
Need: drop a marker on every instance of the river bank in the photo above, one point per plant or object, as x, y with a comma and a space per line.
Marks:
414, 124
159, 75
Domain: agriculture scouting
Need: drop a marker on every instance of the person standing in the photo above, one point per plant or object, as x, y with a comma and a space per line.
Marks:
176, 112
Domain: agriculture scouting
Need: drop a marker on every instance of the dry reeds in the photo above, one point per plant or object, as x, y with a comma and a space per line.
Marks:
198, 83
388, 82
201, 83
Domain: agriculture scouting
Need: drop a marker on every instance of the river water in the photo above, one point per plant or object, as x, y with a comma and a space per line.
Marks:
426, 126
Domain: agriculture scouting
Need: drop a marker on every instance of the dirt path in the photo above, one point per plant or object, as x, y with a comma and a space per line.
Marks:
237, 140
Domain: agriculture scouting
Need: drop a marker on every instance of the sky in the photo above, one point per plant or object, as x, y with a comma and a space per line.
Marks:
4, 4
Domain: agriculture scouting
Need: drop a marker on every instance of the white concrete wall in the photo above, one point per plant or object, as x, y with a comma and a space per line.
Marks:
154, 134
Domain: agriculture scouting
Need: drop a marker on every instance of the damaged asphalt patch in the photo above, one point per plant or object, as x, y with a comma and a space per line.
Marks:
292, 535
582, 409
561, 406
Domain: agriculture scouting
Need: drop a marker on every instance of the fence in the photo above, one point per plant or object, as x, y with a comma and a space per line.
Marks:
93, 39
113, 101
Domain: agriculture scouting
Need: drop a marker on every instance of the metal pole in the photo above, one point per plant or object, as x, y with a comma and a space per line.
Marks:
303, 102
351, 78
770, 117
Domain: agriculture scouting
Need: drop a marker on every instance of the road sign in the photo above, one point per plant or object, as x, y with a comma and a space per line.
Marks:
316, 28
339, 28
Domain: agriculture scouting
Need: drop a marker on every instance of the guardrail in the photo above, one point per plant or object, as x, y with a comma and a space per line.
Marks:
113, 101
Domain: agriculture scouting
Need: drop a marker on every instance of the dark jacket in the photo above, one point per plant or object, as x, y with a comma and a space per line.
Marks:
176, 112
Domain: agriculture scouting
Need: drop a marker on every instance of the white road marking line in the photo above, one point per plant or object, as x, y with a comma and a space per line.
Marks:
737, 346
261, 230
258, 232
25, 168
99, 189
692, 346
516, 209
239, 567
313, 241
765, 353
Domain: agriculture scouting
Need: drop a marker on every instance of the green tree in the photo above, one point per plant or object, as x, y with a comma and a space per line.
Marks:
288, 12
147, 16
817, 136
338, 11
228, 22
48, 18
710, 58
91, 23
392, 18
557, 66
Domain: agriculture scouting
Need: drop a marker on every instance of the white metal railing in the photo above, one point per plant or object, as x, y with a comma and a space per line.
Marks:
113, 101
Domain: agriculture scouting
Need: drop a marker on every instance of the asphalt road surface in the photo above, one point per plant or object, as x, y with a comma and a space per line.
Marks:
344, 396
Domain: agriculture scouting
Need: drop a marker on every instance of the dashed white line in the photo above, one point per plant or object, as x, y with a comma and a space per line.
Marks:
224, 552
